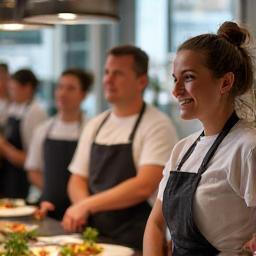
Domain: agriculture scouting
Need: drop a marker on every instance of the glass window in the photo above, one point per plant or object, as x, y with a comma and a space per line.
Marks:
189, 17
160, 27
22, 37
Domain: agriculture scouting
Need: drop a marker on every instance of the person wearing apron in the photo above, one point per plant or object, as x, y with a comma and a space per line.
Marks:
15, 182
123, 151
124, 226
55, 142
22, 111
57, 156
210, 176
4, 99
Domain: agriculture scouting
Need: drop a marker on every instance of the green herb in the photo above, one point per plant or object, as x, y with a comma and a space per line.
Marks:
66, 251
16, 245
90, 235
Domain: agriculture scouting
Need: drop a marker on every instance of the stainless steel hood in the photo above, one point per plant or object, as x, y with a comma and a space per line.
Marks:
11, 16
71, 11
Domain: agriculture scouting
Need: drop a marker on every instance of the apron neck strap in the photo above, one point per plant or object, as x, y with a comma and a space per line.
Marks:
137, 122
134, 127
233, 119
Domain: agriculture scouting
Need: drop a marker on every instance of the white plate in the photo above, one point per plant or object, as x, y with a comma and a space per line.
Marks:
108, 249
17, 211
116, 250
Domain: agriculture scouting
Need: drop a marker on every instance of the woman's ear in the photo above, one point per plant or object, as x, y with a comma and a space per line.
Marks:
227, 84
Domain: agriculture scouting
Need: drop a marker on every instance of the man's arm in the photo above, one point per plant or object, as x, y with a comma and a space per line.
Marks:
154, 243
15, 156
129, 192
123, 195
36, 178
77, 188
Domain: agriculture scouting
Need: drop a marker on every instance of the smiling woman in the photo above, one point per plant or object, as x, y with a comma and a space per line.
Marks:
200, 192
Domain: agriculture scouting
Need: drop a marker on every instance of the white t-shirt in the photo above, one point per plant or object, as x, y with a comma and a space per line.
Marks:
154, 138
152, 144
225, 200
31, 116
53, 128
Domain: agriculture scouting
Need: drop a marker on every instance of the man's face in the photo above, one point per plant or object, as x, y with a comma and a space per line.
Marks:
20, 93
68, 94
121, 83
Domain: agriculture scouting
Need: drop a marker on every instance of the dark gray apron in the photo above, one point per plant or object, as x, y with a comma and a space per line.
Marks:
57, 155
109, 166
178, 202
14, 182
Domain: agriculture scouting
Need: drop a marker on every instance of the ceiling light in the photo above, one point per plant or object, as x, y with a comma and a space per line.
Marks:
11, 13
67, 16
12, 26
71, 11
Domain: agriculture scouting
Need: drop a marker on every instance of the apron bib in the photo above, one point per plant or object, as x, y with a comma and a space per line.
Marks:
57, 157
178, 202
14, 182
109, 166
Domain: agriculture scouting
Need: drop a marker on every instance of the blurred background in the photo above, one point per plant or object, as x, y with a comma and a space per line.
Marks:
158, 27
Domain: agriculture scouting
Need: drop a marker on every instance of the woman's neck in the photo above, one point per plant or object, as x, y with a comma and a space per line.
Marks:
214, 123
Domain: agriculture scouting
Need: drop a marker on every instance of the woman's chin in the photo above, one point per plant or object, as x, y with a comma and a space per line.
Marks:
186, 116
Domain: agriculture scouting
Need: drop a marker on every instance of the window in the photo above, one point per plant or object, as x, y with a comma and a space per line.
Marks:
189, 18
160, 27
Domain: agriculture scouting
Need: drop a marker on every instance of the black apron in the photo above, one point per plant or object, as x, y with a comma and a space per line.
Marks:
178, 202
57, 155
14, 181
109, 166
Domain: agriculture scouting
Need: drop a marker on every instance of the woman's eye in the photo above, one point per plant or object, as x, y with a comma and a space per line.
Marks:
189, 77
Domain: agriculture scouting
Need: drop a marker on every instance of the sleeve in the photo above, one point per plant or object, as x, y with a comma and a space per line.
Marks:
243, 178
34, 160
158, 143
80, 162
163, 182
35, 116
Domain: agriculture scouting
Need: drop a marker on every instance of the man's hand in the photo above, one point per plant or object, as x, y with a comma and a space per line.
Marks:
76, 217
45, 206
251, 245
2, 143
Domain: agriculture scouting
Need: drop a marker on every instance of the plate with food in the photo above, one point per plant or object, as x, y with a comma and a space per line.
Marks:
16, 227
77, 245
15, 208
82, 249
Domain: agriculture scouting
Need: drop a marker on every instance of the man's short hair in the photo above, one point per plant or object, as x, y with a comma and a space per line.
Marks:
85, 78
24, 77
4, 67
140, 57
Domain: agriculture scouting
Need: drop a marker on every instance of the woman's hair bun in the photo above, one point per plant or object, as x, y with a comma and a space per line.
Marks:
233, 33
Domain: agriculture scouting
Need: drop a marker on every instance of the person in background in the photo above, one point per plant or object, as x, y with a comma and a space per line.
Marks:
24, 115
119, 160
207, 196
54, 143
4, 78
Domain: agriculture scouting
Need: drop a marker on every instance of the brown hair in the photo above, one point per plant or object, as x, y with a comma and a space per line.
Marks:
226, 52
140, 57
85, 78
25, 77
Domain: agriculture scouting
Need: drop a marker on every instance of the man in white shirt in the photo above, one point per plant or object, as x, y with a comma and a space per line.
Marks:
4, 78
120, 157
24, 115
55, 141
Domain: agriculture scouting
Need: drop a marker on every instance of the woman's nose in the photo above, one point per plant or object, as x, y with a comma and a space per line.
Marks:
178, 89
